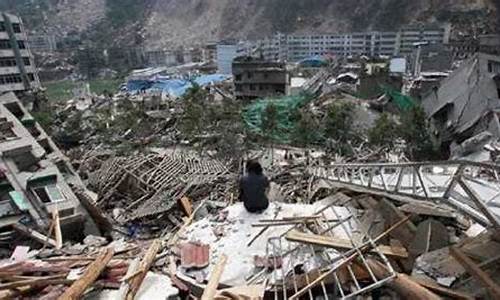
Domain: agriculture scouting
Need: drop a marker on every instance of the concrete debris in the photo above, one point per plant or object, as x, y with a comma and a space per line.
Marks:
144, 202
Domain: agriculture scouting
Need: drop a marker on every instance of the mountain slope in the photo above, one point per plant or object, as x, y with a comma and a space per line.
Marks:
167, 23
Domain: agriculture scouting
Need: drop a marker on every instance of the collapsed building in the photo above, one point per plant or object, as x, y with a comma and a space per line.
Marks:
38, 182
466, 103
254, 78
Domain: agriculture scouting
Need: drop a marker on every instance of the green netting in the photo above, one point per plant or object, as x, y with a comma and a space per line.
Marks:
404, 102
286, 108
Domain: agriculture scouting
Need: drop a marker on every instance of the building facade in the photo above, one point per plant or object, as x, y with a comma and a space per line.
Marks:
35, 176
467, 102
17, 66
374, 43
255, 78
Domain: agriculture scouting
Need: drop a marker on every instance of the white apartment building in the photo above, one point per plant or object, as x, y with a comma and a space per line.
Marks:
17, 66
374, 43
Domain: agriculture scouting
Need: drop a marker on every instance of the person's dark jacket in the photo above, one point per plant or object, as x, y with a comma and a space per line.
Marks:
253, 192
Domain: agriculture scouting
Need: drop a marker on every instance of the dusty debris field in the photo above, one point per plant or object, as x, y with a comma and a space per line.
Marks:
379, 231
140, 200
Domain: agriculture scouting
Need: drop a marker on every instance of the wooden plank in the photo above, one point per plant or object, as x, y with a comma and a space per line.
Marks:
474, 270
346, 261
402, 283
173, 240
261, 232
90, 275
42, 281
125, 286
57, 229
37, 236
436, 288
187, 206
337, 243
144, 267
213, 282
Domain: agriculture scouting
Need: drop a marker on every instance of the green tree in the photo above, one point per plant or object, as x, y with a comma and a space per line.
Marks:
306, 131
193, 117
270, 122
339, 126
384, 132
416, 132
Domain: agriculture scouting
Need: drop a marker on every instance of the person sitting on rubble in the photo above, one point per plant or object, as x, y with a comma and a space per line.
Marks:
253, 188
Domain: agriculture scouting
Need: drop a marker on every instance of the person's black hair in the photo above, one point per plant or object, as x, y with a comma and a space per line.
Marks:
254, 167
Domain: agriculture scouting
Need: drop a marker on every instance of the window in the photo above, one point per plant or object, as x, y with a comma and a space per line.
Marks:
49, 193
21, 44
238, 77
2, 26
494, 67
26, 61
16, 27
10, 79
5, 44
7, 62
249, 75
31, 77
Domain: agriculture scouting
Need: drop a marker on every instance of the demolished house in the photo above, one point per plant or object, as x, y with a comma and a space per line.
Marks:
37, 180
466, 103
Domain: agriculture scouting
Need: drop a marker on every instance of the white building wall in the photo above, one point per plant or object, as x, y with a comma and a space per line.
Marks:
225, 56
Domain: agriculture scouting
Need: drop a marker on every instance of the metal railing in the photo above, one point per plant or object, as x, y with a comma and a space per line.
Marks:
470, 187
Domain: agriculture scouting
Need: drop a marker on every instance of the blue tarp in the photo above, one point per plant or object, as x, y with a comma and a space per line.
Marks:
313, 61
173, 87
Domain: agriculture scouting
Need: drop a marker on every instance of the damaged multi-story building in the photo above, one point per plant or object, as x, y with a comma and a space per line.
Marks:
36, 179
373, 43
255, 78
17, 67
467, 102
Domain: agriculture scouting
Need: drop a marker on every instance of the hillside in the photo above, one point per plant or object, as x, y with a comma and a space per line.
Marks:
165, 23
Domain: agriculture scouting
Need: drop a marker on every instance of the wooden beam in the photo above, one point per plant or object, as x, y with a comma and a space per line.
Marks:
402, 283
213, 282
337, 243
125, 286
346, 261
57, 228
474, 270
145, 265
187, 206
173, 240
91, 274
436, 288
37, 236
42, 281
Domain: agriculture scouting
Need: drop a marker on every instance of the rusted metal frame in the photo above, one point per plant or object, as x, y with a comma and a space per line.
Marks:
376, 282
356, 247
328, 231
